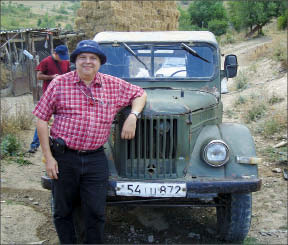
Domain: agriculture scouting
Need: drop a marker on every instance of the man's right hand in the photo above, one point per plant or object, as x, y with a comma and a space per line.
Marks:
52, 168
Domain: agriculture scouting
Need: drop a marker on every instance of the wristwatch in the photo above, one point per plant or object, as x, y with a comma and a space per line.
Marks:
136, 113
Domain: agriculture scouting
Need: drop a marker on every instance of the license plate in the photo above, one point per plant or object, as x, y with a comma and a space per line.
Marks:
141, 189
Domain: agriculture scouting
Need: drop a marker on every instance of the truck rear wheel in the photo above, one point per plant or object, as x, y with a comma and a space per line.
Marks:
234, 217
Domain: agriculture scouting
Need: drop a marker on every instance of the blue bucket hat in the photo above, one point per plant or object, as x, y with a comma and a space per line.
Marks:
88, 46
62, 52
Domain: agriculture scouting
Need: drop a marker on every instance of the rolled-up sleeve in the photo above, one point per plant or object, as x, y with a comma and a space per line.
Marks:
128, 92
47, 103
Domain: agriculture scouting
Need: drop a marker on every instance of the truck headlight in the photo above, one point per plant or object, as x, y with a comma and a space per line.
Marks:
215, 153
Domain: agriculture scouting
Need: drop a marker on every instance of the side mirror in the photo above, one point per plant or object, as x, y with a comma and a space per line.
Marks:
230, 65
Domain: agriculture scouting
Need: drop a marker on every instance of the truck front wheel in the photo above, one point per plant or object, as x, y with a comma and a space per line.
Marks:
234, 216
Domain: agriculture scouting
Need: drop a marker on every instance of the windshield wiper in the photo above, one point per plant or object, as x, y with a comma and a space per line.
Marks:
193, 52
135, 55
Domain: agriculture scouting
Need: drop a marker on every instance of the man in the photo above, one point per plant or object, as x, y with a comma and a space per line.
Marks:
84, 103
49, 68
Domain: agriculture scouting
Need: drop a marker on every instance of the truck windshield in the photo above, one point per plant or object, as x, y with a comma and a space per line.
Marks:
159, 61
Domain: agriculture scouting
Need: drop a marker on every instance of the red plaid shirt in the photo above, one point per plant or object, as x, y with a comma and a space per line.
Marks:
83, 114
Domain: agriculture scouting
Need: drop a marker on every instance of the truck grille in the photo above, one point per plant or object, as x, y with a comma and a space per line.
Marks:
152, 153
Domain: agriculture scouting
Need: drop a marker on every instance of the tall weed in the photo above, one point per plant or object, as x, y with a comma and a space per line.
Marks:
241, 81
256, 112
276, 50
275, 124
11, 123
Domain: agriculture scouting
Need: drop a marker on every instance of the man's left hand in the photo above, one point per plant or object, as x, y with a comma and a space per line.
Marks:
129, 127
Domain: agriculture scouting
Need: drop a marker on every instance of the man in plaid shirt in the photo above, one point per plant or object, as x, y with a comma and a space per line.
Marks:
84, 103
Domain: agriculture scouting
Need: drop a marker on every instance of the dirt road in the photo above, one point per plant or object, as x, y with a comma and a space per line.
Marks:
25, 206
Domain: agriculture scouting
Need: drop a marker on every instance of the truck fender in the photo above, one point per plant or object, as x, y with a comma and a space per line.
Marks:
240, 143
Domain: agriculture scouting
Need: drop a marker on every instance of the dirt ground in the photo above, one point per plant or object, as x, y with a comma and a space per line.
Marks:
25, 206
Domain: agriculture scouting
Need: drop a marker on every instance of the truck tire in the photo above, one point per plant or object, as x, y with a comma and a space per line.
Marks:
234, 217
78, 222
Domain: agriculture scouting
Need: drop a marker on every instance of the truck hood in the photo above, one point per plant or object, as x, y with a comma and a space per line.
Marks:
175, 101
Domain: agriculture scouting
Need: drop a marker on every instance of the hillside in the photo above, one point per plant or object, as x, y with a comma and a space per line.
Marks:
35, 14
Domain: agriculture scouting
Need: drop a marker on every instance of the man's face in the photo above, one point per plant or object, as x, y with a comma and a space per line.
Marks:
87, 64
56, 57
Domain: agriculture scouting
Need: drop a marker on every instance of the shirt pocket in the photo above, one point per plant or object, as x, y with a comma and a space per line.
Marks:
107, 111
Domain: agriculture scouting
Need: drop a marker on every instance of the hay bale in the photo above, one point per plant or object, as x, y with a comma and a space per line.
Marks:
127, 16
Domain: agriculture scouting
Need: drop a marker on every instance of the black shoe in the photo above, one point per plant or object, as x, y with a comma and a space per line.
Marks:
32, 150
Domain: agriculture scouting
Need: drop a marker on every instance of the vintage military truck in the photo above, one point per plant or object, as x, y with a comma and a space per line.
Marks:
182, 154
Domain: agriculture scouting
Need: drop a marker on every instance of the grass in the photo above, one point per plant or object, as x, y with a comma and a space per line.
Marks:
32, 14
258, 106
276, 50
231, 37
229, 113
12, 123
9, 145
255, 112
283, 227
240, 100
274, 155
19, 159
253, 68
10, 202
250, 241
274, 125
241, 81
274, 99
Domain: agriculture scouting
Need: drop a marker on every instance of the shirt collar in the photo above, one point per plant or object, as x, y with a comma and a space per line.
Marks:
96, 81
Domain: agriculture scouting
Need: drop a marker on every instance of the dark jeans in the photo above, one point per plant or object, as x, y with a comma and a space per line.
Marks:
84, 176
35, 142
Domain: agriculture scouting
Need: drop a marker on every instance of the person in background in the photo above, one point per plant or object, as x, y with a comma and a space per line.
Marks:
49, 68
84, 103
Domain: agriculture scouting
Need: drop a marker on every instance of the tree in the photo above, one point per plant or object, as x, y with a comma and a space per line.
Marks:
252, 14
184, 20
39, 22
201, 13
218, 27
68, 27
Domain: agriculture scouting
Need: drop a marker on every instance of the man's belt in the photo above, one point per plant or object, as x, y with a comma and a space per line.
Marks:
85, 152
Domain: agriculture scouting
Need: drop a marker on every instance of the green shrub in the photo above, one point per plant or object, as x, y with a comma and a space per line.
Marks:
240, 100
280, 54
218, 27
21, 160
274, 155
9, 145
241, 81
282, 22
68, 27
228, 38
275, 124
275, 99
270, 127
229, 113
184, 20
255, 112
250, 241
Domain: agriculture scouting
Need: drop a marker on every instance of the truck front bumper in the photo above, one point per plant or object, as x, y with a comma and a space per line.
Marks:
194, 187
